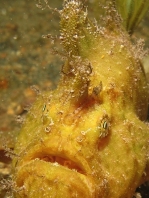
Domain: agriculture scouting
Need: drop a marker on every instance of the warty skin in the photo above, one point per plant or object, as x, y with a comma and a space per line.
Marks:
88, 138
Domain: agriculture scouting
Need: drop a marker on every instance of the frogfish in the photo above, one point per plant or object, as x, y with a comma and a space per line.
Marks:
88, 138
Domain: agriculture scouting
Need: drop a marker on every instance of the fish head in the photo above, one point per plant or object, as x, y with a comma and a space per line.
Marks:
69, 149
59, 148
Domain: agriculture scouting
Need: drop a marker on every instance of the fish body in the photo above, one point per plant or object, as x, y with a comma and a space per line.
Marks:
88, 138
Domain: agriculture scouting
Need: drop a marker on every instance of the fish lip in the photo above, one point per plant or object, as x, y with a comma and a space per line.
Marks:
65, 161
73, 161
39, 170
30, 165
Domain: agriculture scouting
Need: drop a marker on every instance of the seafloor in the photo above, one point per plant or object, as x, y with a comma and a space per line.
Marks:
28, 64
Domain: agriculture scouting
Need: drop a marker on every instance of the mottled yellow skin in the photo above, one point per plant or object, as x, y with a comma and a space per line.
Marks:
88, 138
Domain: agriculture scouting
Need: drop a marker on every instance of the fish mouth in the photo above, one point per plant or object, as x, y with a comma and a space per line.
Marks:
65, 158
57, 172
65, 162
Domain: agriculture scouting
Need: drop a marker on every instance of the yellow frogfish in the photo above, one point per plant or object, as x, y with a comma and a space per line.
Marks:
88, 138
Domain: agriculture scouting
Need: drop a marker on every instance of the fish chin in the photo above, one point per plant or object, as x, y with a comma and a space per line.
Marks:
41, 178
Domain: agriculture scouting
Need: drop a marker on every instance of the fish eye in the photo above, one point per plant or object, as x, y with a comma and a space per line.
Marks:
103, 127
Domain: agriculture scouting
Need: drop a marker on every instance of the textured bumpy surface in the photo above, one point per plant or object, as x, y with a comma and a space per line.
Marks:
88, 138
